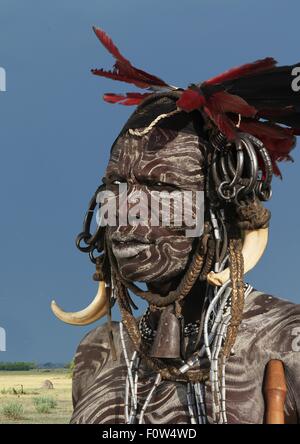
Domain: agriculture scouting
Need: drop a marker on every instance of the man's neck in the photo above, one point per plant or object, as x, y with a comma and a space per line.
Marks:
192, 305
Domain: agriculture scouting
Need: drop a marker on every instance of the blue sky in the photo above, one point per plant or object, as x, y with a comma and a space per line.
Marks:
56, 133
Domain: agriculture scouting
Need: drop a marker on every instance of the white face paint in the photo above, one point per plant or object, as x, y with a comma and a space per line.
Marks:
150, 248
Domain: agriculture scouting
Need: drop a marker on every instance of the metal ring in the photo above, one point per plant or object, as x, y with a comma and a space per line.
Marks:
268, 166
226, 177
221, 193
83, 237
263, 191
86, 236
253, 162
215, 175
231, 168
92, 257
263, 187
239, 164
90, 212
265, 157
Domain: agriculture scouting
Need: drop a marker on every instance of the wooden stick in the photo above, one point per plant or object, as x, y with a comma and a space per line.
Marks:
275, 392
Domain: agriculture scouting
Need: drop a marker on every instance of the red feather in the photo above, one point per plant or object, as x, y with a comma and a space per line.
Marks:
123, 70
243, 70
129, 99
225, 125
223, 102
216, 106
190, 100
273, 113
267, 129
121, 78
109, 45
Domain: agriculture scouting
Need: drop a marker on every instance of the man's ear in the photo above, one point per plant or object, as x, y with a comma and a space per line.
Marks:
254, 245
96, 310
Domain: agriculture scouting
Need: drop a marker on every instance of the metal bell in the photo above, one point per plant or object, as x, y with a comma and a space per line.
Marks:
166, 343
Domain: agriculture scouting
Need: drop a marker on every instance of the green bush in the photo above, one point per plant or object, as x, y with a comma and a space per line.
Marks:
6, 391
71, 367
42, 408
13, 410
17, 366
44, 404
13, 390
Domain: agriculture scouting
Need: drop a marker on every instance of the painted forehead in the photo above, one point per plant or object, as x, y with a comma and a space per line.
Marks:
163, 154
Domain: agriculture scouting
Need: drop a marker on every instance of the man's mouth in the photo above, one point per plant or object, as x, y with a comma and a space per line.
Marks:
129, 248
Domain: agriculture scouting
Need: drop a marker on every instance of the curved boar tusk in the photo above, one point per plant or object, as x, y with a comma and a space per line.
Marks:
96, 310
254, 245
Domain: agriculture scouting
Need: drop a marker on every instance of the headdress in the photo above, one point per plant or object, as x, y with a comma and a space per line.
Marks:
256, 98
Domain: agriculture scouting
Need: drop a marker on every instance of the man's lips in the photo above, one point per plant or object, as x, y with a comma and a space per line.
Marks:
129, 248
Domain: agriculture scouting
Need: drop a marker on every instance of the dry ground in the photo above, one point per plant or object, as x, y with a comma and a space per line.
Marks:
32, 383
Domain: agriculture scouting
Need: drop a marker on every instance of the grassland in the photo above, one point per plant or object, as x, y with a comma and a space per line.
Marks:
11, 396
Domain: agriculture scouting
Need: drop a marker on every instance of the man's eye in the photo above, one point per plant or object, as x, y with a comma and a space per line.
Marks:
166, 186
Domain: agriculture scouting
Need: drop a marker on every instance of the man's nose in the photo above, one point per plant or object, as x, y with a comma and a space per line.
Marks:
133, 205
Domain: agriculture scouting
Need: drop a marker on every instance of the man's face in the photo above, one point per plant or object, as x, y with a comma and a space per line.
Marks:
162, 161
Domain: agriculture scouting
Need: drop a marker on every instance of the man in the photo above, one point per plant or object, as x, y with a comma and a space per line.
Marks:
199, 353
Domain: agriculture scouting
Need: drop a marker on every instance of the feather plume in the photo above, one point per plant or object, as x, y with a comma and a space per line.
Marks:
190, 100
243, 70
253, 91
223, 102
123, 70
129, 99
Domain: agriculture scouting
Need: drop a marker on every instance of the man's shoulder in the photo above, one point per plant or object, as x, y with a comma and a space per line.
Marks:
99, 335
260, 303
270, 322
93, 355
94, 350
